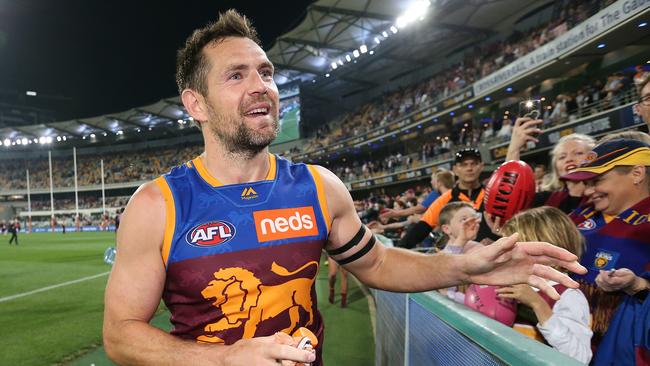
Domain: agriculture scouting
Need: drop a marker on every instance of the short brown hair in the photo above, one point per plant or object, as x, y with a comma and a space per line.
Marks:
450, 209
547, 224
191, 64
445, 177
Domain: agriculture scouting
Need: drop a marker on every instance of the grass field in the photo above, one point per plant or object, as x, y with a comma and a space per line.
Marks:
51, 305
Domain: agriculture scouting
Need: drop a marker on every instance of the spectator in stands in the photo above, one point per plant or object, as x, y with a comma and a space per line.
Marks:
468, 166
540, 173
567, 154
506, 130
442, 180
642, 108
615, 225
564, 324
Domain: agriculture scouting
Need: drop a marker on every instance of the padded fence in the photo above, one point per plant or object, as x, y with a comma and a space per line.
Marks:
429, 329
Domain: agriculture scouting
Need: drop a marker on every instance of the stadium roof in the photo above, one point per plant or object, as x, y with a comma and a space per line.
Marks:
322, 48
330, 31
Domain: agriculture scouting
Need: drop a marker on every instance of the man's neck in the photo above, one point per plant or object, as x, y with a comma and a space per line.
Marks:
229, 168
469, 186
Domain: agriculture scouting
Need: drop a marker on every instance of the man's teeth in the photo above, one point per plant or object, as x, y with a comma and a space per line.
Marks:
258, 110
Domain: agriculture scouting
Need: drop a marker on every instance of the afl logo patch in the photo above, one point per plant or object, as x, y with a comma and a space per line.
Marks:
210, 234
588, 224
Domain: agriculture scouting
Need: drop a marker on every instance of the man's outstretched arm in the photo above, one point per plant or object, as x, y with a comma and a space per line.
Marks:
501, 263
134, 291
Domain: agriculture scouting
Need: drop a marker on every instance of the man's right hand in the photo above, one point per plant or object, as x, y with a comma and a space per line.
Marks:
279, 348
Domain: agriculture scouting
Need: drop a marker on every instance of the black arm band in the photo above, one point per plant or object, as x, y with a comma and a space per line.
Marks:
354, 241
360, 253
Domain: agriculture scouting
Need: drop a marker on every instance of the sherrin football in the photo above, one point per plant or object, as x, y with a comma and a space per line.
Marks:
511, 188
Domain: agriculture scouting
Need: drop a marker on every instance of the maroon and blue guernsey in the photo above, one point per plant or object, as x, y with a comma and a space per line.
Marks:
242, 259
611, 243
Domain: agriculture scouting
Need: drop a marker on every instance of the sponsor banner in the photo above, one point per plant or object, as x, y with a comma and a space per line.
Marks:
594, 125
588, 30
285, 223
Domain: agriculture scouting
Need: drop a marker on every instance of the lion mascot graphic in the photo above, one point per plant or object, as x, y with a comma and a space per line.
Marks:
243, 299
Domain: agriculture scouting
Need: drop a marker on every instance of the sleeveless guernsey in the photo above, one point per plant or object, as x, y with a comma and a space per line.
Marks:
241, 259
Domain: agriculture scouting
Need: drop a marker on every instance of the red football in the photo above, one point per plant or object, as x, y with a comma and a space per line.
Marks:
511, 188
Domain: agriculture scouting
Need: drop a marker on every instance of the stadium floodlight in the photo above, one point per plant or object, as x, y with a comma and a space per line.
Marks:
64, 138
25, 141
7, 142
356, 53
413, 12
327, 75
372, 52
35, 141
347, 57
643, 24
377, 41
180, 121
119, 132
363, 48
602, 45
92, 136
48, 139
30, 93
18, 142
385, 34
41, 140
393, 29
334, 65
1, 143
58, 138
190, 118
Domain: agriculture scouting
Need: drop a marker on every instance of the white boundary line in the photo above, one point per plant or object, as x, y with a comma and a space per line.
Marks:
13, 297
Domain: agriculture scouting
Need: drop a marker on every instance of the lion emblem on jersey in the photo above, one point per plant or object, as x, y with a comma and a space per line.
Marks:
243, 299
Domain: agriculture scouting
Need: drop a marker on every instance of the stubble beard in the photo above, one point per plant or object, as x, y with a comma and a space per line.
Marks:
243, 142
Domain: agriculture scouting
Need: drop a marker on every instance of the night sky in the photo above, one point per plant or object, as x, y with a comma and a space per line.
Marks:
92, 57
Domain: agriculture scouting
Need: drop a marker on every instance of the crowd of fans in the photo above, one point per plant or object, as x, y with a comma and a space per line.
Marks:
481, 62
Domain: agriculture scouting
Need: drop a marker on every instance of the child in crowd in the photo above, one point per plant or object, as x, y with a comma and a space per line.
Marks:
564, 324
459, 221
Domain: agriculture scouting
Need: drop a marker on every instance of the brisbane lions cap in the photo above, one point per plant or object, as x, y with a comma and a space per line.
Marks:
610, 154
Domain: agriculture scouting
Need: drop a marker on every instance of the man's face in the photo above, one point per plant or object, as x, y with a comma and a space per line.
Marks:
242, 100
468, 170
643, 107
539, 172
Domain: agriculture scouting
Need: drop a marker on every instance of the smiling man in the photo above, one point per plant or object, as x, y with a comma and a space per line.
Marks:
231, 240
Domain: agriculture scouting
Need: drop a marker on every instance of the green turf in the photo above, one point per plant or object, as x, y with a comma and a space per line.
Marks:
290, 127
63, 325
46, 327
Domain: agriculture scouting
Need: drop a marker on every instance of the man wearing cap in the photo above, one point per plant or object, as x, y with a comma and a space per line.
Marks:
617, 254
468, 166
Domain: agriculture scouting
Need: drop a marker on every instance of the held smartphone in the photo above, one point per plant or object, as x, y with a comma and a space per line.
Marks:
531, 108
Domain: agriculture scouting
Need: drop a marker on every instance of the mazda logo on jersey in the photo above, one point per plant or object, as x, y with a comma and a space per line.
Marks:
210, 234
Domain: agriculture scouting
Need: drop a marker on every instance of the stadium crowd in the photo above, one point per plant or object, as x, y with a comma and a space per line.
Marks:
481, 62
